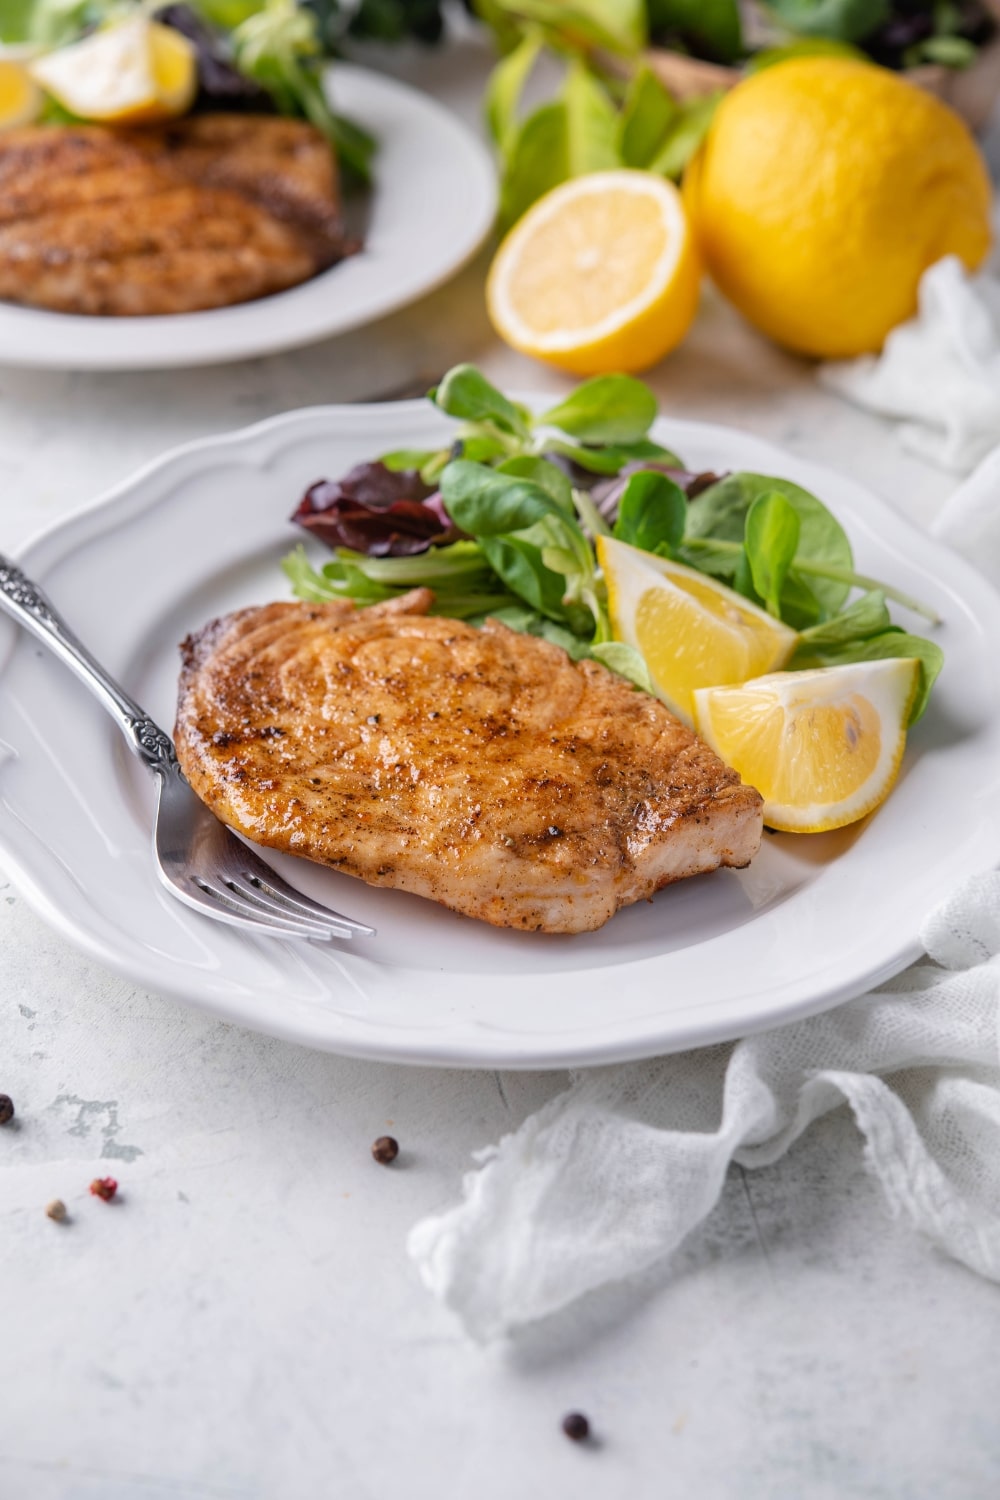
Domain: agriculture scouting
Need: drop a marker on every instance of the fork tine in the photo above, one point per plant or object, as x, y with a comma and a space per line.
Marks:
229, 906
211, 905
207, 864
246, 889
264, 879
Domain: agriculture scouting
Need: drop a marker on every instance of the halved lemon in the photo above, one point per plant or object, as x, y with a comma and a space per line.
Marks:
600, 275
823, 748
20, 96
131, 73
693, 631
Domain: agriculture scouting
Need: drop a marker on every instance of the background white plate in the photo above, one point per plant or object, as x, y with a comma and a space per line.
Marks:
813, 921
432, 205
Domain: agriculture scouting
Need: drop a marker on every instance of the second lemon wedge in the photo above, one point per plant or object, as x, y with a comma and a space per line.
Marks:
20, 96
823, 748
693, 631
131, 73
599, 275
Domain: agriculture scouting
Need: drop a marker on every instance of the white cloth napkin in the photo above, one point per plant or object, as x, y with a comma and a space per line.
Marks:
940, 372
612, 1174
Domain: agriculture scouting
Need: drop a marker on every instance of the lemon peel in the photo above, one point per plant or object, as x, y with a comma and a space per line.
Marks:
822, 192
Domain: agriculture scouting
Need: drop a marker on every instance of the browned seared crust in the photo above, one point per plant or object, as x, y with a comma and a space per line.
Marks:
481, 768
203, 212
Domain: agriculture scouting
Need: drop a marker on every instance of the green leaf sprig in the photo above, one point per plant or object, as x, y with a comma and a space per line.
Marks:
593, 123
602, 426
279, 46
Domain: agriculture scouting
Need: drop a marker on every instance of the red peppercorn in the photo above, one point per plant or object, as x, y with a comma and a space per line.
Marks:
6, 1109
104, 1187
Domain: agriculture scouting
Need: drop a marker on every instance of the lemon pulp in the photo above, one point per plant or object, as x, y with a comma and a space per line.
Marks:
692, 630
20, 98
133, 72
823, 747
601, 274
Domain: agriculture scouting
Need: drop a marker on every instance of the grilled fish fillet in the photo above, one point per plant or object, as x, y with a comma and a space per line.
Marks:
481, 768
203, 212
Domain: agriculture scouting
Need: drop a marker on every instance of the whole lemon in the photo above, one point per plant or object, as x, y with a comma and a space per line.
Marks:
824, 189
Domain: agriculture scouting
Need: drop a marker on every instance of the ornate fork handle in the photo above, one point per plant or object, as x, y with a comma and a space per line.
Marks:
24, 601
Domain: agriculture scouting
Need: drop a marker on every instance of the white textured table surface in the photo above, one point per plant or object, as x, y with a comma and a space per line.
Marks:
244, 1322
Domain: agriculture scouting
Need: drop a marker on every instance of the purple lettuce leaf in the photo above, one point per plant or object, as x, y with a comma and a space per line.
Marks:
378, 511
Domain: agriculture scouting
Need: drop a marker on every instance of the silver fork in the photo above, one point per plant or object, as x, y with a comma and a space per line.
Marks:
199, 859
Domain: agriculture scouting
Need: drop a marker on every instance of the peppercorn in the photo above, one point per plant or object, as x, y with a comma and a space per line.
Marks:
104, 1187
6, 1109
576, 1426
56, 1210
385, 1149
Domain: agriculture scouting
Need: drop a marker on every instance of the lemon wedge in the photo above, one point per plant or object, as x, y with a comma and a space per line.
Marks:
599, 275
129, 74
20, 96
823, 748
693, 631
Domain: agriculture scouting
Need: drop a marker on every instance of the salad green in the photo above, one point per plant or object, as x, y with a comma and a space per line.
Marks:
530, 493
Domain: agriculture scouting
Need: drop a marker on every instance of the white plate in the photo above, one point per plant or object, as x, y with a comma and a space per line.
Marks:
433, 204
813, 921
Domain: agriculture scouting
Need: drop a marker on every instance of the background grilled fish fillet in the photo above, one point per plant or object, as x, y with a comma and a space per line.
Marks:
204, 212
481, 768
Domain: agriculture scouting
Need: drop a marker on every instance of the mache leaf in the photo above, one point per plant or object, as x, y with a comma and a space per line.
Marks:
652, 512
466, 393
864, 618
408, 458
519, 563
719, 514
487, 503
626, 661
612, 458
609, 409
546, 475
771, 540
